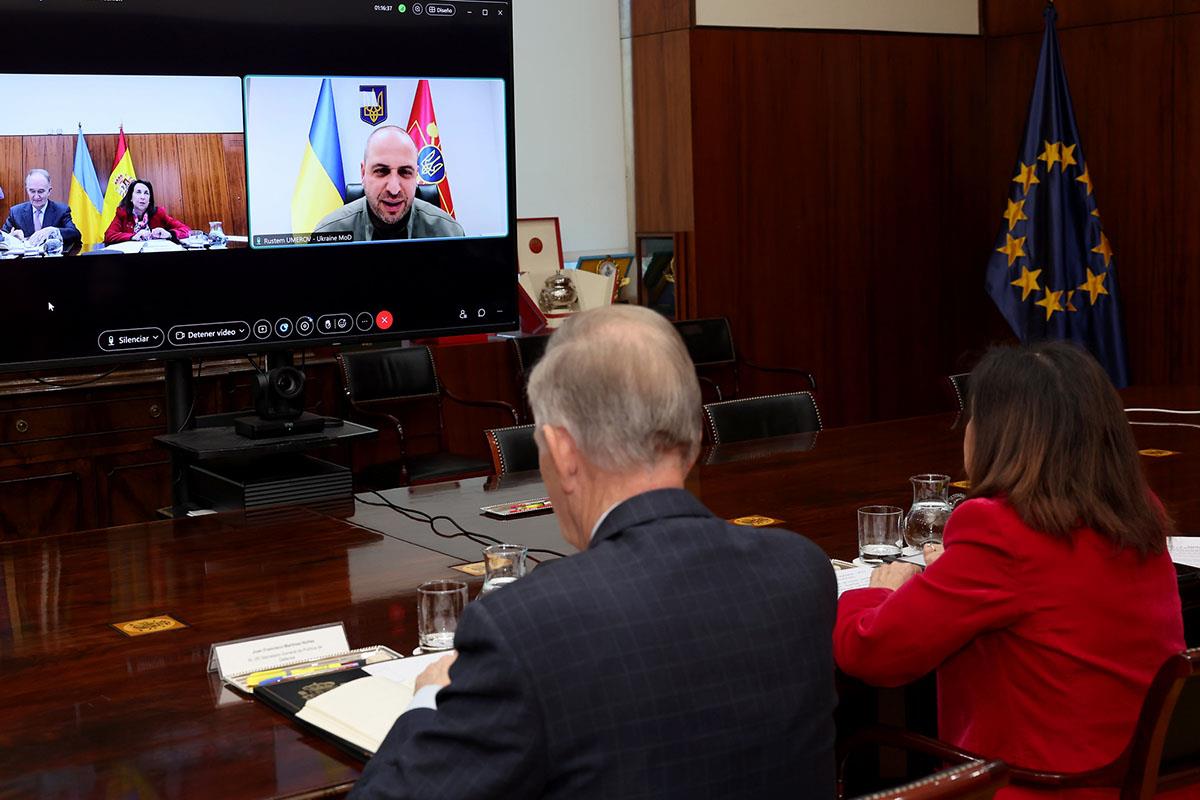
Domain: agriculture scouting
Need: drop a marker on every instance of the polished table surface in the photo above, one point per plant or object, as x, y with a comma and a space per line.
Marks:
811, 483
88, 712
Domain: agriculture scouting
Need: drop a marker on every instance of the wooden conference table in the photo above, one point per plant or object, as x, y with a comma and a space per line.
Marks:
88, 712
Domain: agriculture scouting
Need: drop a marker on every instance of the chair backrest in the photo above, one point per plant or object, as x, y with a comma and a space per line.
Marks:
760, 417
529, 351
1165, 751
958, 385
513, 449
708, 341
975, 780
398, 373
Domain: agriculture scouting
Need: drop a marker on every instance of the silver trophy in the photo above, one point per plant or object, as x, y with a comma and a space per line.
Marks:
559, 295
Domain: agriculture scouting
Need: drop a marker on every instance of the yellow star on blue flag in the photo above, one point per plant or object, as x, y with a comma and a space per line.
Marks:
1051, 221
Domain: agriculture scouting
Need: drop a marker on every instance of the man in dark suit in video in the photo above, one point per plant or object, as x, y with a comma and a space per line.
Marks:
677, 655
33, 221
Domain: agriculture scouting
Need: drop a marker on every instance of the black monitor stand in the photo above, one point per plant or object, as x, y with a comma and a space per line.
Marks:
288, 477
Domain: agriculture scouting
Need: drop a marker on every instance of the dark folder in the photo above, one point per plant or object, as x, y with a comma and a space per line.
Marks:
289, 696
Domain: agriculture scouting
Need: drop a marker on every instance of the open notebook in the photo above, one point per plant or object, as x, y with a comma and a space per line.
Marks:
354, 708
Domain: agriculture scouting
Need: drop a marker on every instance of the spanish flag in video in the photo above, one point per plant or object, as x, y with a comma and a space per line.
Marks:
118, 182
423, 128
321, 185
86, 198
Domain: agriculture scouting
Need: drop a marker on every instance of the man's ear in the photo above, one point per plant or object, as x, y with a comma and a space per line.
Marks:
362, 171
563, 453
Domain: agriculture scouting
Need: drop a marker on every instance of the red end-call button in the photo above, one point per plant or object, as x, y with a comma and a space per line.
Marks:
383, 320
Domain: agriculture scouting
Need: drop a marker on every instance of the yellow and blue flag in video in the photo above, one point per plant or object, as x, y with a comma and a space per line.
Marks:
86, 198
321, 185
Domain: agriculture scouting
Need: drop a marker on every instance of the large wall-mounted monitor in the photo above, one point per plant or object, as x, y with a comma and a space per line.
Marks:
244, 176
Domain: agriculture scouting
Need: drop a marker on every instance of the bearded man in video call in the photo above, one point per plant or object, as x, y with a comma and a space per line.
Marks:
389, 208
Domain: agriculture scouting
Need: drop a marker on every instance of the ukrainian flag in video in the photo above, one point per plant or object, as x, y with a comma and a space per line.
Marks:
321, 186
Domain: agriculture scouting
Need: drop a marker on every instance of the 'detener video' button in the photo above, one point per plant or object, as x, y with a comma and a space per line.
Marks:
208, 333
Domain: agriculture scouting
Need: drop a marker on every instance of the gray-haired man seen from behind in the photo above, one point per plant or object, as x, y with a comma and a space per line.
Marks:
676, 656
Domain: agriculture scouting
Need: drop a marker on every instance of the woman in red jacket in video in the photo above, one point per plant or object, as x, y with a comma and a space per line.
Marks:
1054, 602
139, 219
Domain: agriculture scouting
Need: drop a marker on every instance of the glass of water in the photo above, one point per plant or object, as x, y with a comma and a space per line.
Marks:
879, 533
503, 564
439, 606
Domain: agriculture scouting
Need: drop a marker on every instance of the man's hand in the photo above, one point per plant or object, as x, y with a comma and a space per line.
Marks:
160, 233
893, 575
17, 232
437, 673
40, 236
933, 552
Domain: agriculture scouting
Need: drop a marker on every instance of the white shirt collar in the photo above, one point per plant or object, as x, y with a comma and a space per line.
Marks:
603, 517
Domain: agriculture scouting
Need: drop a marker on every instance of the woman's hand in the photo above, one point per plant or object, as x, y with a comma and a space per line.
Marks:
933, 552
893, 575
141, 235
160, 233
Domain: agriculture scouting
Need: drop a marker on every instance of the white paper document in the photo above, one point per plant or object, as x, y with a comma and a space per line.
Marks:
852, 578
147, 246
404, 670
361, 712
1185, 550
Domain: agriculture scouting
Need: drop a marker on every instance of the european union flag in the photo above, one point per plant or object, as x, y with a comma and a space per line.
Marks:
1053, 274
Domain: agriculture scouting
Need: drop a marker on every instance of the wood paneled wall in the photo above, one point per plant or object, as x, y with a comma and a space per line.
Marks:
847, 187
197, 177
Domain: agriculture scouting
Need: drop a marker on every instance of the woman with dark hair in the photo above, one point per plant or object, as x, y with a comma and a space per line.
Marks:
1054, 601
139, 219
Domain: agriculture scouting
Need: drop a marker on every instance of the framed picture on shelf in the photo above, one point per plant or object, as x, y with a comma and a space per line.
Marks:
539, 254
617, 267
539, 245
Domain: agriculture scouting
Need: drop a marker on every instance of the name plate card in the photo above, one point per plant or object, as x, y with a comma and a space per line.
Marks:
243, 656
1185, 550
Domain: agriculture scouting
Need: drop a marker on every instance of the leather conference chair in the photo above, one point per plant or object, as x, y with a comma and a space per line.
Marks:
710, 344
513, 449
760, 417
377, 381
1162, 754
975, 780
528, 351
958, 385
425, 191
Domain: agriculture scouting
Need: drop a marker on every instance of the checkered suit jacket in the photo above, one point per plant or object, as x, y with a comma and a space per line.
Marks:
679, 656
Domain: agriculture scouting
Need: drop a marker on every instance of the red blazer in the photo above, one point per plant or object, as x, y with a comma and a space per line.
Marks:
1043, 648
121, 228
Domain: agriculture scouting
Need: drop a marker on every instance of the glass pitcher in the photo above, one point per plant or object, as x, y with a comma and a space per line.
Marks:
926, 519
216, 234
503, 564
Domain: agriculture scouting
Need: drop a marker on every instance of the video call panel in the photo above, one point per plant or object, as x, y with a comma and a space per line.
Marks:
131, 177
336, 160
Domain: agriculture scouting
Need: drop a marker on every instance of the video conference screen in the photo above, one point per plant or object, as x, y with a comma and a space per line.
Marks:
233, 179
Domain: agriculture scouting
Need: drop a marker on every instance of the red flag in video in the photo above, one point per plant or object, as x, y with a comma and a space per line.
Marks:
423, 128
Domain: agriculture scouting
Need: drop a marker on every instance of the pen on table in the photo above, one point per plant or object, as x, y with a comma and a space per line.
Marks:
275, 675
529, 505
